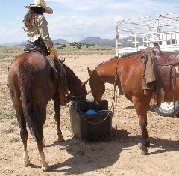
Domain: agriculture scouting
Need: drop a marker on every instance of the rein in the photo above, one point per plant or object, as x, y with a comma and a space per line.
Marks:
115, 83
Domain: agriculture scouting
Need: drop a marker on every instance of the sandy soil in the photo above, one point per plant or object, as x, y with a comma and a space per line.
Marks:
120, 156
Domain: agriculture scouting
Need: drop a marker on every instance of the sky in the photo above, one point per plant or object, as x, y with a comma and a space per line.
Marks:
74, 20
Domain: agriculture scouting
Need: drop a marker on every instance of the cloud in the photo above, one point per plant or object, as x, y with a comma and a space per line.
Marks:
147, 6
78, 27
74, 20
81, 5
9, 34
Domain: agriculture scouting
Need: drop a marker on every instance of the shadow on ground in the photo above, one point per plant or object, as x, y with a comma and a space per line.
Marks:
89, 157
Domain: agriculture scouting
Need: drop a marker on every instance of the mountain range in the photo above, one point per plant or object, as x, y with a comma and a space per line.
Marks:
88, 40
126, 41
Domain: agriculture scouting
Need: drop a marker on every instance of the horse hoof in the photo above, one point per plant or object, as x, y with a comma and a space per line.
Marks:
144, 151
45, 167
26, 159
27, 163
60, 139
140, 145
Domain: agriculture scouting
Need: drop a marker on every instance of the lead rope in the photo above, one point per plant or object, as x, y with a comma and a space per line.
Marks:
115, 84
115, 96
173, 87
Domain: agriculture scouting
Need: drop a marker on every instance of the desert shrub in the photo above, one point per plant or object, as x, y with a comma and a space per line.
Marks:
61, 47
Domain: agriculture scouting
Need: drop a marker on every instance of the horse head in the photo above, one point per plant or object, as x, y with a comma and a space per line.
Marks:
96, 84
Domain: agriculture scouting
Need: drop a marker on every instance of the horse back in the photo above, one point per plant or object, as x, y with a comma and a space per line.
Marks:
130, 72
31, 73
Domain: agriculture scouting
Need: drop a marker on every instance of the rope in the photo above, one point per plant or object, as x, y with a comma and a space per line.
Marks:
115, 84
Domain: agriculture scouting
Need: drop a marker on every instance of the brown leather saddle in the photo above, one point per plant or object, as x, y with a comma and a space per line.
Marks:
166, 70
37, 46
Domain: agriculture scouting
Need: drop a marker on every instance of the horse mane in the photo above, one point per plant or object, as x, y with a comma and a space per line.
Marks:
120, 58
71, 75
74, 83
128, 55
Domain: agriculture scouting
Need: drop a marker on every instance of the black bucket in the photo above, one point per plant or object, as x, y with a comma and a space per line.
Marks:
91, 121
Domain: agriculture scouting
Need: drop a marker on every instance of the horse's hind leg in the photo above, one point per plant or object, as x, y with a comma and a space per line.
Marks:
24, 137
22, 123
37, 126
57, 116
141, 110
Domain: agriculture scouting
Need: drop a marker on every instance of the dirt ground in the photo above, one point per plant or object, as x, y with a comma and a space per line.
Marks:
117, 157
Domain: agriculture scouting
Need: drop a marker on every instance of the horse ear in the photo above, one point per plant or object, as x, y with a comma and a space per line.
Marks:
89, 71
84, 83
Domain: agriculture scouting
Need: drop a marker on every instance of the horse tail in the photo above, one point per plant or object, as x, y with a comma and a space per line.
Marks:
26, 77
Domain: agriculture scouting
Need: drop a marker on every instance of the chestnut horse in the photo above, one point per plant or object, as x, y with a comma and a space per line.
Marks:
127, 73
32, 83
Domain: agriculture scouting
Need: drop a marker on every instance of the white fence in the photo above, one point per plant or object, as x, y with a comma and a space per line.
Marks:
163, 29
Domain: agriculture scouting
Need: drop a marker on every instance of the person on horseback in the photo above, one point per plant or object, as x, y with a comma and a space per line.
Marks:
36, 27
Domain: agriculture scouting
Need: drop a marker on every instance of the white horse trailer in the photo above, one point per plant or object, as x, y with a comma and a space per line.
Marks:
143, 32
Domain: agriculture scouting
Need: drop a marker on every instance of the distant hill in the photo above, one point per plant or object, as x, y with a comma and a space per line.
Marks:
98, 41
60, 41
107, 42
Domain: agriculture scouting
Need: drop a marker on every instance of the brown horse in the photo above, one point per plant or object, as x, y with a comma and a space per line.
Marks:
32, 83
127, 73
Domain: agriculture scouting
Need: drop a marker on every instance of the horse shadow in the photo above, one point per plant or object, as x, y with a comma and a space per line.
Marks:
89, 157
149, 109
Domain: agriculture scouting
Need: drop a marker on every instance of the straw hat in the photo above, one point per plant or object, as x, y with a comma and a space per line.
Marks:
40, 3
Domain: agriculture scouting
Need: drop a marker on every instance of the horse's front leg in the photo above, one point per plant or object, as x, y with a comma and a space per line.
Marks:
141, 110
57, 116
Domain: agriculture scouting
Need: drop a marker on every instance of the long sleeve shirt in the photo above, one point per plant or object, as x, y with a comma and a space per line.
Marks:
39, 28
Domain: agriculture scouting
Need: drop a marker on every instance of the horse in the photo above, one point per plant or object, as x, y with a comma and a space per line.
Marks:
32, 83
127, 73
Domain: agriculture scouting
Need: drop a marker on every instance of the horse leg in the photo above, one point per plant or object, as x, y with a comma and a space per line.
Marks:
141, 110
57, 116
39, 138
22, 123
37, 126
24, 137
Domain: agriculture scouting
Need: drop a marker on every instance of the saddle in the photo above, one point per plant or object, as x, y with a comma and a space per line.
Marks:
160, 71
37, 45
166, 71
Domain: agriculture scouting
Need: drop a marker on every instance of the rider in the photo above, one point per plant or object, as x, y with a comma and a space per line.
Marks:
36, 27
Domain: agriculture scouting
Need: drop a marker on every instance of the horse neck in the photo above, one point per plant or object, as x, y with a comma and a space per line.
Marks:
74, 83
107, 70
